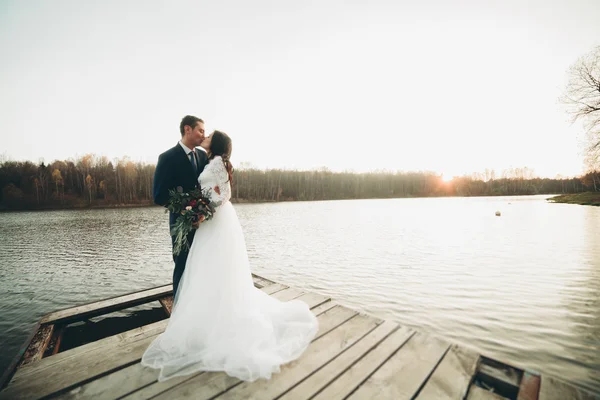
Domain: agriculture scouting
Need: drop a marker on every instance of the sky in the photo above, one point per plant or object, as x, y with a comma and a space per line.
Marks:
450, 86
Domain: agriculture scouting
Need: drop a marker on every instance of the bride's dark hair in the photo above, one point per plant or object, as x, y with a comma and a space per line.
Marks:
220, 145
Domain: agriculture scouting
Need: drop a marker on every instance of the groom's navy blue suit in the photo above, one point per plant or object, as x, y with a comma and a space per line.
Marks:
173, 170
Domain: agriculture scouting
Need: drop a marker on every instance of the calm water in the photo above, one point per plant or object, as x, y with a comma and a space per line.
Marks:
523, 288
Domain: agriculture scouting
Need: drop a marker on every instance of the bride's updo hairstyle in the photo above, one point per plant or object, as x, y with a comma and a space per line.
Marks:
220, 145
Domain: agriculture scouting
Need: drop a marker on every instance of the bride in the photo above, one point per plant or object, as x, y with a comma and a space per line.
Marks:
220, 321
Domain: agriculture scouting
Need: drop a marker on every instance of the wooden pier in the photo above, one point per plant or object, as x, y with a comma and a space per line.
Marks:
353, 356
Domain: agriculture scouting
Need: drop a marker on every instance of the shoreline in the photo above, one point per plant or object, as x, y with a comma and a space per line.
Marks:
89, 207
246, 201
584, 199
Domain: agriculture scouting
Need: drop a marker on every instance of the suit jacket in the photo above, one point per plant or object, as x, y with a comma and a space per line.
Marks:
173, 170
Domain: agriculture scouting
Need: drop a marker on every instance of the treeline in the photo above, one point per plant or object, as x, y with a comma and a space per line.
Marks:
98, 182
278, 185
87, 181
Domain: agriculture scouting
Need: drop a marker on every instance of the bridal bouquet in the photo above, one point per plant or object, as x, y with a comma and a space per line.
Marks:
189, 206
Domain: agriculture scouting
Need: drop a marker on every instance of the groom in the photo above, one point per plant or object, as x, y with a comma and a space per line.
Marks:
179, 167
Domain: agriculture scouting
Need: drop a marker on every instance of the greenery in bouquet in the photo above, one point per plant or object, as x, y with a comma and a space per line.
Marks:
189, 207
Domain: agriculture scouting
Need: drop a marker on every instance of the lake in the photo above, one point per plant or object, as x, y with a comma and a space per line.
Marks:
523, 288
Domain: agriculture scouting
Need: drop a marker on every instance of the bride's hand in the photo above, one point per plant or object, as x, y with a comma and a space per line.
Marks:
196, 224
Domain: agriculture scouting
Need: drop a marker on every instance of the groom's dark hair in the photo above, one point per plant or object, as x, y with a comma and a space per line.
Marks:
190, 121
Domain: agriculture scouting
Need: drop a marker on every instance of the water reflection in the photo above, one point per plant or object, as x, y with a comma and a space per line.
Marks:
582, 302
523, 287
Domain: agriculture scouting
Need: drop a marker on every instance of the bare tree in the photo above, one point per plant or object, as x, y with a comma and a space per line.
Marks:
89, 183
58, 180
582, 95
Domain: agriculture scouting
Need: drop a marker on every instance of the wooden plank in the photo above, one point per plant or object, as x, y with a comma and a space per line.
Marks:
113, 385
112, 340
271, 289
200, 387
350, 379
317, 381
71, 368
12, 367
333, 318
109, 305
288, 294
9, 372
110, 367
258, 278
328, 320
477, 393
78, 370
401, 376
323, 349
313, 298
530, 386
152, 387
554, 389
167, 304
126, 380
324, 307
37, 346
285, 294
66, 357
112, 304
261, 281
258, 283
452, 378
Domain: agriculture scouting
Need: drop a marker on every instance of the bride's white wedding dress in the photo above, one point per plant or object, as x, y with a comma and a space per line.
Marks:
220, 321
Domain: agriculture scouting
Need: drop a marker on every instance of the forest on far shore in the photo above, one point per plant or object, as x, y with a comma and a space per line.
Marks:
92, 181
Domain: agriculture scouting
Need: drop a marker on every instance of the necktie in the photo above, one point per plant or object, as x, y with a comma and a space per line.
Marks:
193, 160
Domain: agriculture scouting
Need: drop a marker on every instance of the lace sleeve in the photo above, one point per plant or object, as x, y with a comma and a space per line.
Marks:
215, 180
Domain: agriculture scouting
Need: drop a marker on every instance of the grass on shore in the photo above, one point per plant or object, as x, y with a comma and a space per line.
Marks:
586, 198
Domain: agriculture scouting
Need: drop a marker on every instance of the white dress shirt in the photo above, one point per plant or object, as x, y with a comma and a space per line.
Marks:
185, 148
